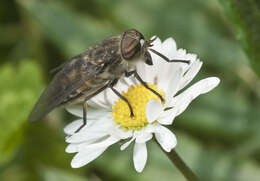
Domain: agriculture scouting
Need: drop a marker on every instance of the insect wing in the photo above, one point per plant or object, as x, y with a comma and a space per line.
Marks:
78, 74
73, 75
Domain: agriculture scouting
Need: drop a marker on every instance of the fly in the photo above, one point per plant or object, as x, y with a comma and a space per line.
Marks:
96, 69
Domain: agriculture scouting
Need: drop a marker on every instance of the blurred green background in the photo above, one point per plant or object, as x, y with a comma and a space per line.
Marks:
218, 135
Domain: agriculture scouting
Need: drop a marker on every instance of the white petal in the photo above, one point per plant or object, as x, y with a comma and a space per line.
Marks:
91, 152
192, 58
126, 144
103, 143
165, 138
100, 101
73, 126
110, 97
180, 54
142, 136
119, 133
153, 110
169, 46
141, 70
140, 156
95, 103
166, 71
87, 137
77, 147
167, 117
126, 82
71, 148
190, 74
91, 132
77, 110
157, 44
147, 72
201, 87
173, 86
83, 158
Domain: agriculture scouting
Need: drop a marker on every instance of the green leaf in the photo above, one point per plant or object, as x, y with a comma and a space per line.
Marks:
55, 174
72, 33
245, 16
19, 88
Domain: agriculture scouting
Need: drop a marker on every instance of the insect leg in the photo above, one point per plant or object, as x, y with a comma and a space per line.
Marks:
128, 74
147, 87
167, 59
85, 108
84, 117
124, 99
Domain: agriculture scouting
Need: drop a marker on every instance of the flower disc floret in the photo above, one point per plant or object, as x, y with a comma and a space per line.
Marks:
138, 96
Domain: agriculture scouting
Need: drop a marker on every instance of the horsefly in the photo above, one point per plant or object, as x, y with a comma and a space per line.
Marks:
96, 69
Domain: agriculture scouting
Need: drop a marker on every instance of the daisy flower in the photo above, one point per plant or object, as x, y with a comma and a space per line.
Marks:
108, 117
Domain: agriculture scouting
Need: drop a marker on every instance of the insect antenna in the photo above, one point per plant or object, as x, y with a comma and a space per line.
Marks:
166, 58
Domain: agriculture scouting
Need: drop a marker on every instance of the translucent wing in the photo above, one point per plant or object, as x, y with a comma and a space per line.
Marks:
80, 75
76, 75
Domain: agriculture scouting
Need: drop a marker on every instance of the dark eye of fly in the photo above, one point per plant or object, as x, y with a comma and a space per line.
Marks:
130, 44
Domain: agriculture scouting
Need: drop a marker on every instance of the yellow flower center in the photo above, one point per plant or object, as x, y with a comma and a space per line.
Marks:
138, 96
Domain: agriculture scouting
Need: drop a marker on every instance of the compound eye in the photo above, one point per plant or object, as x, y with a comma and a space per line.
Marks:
131, 44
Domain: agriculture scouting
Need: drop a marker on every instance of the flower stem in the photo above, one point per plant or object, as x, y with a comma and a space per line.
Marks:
179, 163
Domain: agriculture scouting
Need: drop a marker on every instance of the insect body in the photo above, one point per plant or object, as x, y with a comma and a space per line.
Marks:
94, 70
